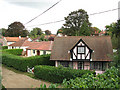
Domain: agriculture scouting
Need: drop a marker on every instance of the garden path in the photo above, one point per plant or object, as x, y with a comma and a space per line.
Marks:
11, 79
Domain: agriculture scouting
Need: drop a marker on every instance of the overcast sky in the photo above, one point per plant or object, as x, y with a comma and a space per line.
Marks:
25, 10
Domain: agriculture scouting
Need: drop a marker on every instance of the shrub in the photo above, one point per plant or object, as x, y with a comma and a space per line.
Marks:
57, 74
14, 51
109, 79
21, 63
4, 47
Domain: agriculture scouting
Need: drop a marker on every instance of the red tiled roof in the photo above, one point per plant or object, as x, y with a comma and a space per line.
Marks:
13, 39
20, 43
43, 45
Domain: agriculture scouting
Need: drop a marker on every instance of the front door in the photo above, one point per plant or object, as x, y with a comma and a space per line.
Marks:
80, 65
38, 52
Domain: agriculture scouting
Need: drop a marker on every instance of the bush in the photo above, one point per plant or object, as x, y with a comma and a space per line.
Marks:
109, 79
58, 74
21, 63
4, 47
14, 51
3, 88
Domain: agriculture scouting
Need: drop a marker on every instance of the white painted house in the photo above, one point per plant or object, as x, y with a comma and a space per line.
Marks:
21, 44
10, 40
39, 48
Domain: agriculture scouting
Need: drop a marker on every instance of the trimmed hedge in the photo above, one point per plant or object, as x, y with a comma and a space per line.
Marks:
21, 63
14, 51
58, 74
4, 47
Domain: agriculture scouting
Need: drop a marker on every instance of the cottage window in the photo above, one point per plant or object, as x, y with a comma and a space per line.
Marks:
98, 65
92, 65
80, 65
81, 50
64, 64
44, 52
33, 51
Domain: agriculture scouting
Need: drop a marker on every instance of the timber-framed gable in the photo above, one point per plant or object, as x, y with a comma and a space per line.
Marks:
81, 51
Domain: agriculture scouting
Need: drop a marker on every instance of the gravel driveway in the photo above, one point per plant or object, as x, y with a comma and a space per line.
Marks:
11, 79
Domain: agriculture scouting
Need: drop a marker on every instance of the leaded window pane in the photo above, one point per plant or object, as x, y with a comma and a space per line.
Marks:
81, 49
92, 65
97, 65
104, 65
64, 64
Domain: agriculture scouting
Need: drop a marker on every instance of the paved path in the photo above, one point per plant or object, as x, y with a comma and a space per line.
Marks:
15, 80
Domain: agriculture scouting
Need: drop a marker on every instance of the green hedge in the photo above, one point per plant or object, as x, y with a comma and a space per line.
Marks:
109, 79
14, 51
58, 74
4, 47
21, 63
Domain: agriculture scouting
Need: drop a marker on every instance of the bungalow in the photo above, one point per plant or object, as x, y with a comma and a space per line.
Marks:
21, 44
82, 52
39, 48
10, 40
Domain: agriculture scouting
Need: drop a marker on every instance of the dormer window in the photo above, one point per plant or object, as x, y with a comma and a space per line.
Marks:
81, 50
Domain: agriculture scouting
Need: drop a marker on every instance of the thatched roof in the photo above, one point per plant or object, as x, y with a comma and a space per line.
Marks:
101, 45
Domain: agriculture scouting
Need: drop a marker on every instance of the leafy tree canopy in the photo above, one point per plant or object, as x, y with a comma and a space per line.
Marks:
95, 29
47, 32
110, 29
3, 30
114, 31
35, 32
16, 29
77, 23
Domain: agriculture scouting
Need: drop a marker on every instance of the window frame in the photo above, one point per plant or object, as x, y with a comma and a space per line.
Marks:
78, 50
99, 67
33, 51
64, 63
44, 52
82, 67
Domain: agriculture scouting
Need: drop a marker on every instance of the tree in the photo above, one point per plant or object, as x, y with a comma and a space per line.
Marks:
117, 34
94, 30
75, 23
42, 38
110, 29
3, 30
85, 30
16, 29
114, 31
47, 32
59, 31
117, 29
35, 32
